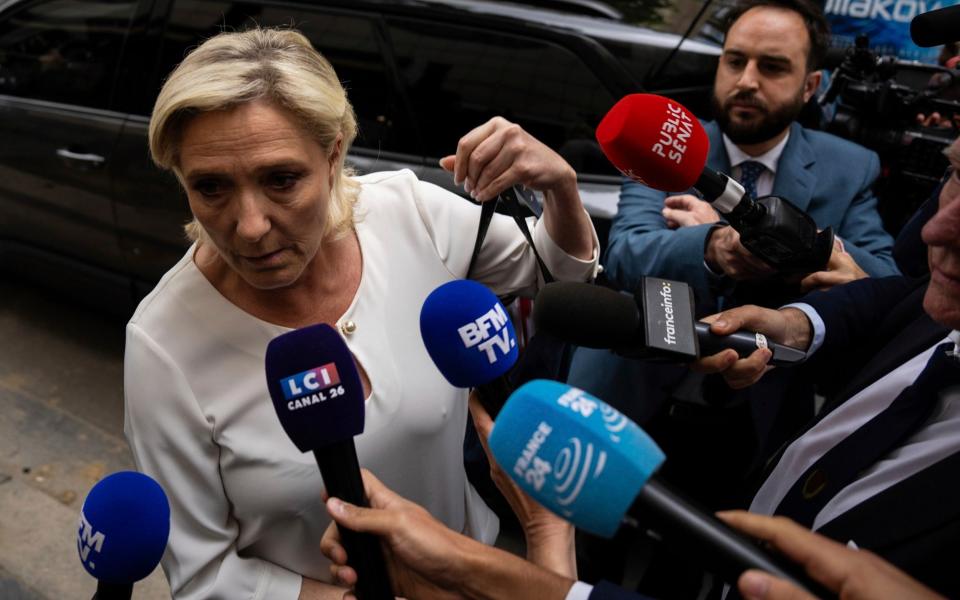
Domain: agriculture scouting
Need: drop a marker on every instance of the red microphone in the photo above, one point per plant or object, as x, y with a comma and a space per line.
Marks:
656, 141
659, 143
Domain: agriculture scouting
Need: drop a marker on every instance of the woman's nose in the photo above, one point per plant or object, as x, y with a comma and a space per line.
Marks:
252, 221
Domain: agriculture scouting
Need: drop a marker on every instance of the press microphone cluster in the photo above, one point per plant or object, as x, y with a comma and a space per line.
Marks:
657, 322
591, 465
469, 336
318, 396
122, 532
659, 143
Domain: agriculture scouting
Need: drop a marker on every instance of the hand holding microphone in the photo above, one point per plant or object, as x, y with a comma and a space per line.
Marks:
657, 323
787, 326
318, 396
658, 142
591, 465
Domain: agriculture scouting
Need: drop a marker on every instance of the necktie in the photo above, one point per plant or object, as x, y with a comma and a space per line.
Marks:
750, 171
841, 465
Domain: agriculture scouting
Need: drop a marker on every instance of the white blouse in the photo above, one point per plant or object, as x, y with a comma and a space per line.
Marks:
246, 511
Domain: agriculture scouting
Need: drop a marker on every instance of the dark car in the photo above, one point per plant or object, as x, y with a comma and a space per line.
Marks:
78, 80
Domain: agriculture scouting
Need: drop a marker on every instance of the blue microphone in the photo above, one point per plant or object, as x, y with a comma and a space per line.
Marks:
122, 532
591, 465
318, 396
471, 339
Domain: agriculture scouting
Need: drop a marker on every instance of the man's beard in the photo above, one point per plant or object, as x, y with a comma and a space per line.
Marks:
768, 126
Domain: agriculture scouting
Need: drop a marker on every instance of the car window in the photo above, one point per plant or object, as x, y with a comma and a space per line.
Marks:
459, 77
348, 40
63, 50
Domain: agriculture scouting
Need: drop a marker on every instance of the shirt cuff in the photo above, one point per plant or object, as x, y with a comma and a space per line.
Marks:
562, 266
579, 591
819, 327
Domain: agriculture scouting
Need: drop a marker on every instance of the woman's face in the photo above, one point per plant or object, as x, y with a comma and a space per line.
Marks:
260, 187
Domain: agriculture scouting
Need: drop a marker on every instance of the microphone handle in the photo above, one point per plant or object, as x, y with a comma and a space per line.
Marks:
493, 394
340, 470
721, 549
745, 343
113, 591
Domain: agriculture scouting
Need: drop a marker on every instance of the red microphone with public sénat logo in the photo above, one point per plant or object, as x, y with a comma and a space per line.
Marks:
658, 142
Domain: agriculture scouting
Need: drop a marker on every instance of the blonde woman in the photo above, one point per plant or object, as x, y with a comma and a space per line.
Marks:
256, 126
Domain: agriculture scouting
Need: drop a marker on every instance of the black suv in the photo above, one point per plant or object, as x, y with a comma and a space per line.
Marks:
78, 80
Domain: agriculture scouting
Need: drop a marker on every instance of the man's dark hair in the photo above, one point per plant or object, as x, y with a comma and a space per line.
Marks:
812, 14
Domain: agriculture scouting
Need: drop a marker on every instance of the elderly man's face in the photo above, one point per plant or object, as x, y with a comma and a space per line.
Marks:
942, 236
762, 81
260, 187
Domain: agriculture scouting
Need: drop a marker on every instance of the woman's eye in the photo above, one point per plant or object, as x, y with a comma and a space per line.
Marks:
283, 181
208, 187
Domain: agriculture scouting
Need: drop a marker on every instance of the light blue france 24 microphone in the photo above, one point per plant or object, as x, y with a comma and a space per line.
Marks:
469, 336
122, 532
318, 396
588, 463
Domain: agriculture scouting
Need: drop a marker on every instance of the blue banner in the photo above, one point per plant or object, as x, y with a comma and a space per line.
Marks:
886, 22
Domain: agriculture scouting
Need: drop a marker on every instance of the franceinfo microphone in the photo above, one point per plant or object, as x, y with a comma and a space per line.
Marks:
659, 143
122, 532
469, 336
318, 396
656, 322
591, 465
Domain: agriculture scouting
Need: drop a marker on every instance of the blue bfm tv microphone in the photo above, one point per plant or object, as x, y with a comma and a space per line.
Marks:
471, 339
318, 397
122, 532
591, 465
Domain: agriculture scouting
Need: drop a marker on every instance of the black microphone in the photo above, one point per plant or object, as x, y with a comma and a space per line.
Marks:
656, 323
936, 27
318, 397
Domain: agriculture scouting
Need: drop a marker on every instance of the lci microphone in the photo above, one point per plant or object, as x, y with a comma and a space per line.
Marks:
659, 143
657, 322
122, 532
471, 339
318, 397
591, 465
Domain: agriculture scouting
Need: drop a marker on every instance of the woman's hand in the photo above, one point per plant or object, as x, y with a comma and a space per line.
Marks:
550, 539
852, 574
499, 154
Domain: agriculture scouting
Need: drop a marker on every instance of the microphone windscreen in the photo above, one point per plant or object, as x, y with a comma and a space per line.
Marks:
315, 387
936, 27
468, 333
654, 140
587, 315
123, 528
574, 454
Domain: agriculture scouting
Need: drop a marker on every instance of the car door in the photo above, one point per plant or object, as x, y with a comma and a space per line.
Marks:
151, 209
57, 73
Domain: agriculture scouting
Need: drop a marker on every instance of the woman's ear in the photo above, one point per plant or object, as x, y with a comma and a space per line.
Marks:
337, 149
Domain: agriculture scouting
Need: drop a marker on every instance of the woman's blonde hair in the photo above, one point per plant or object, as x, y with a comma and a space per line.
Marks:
278, 65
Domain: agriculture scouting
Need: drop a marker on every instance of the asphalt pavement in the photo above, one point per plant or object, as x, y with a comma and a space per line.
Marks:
61, 431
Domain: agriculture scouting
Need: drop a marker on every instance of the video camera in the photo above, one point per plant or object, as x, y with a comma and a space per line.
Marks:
878, 99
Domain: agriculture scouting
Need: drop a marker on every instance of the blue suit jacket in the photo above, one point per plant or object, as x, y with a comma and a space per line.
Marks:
826, 176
